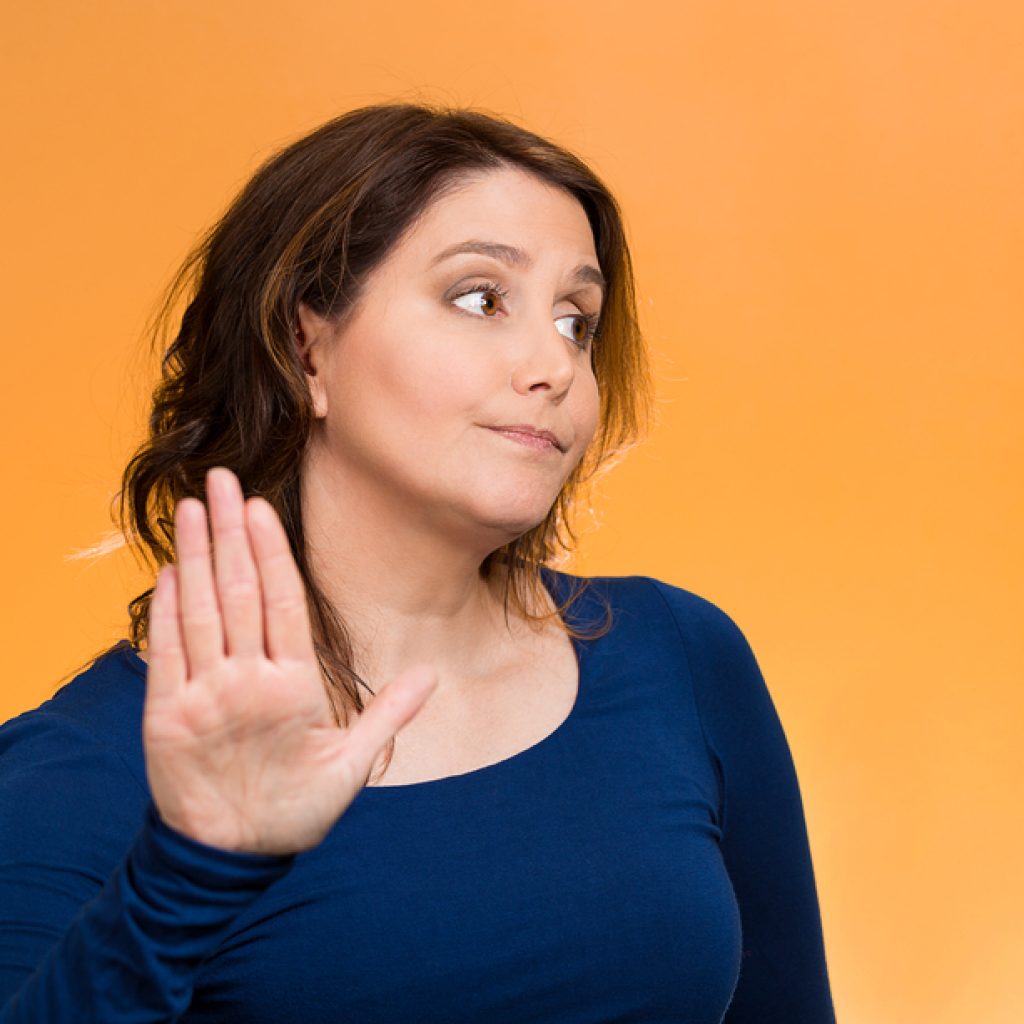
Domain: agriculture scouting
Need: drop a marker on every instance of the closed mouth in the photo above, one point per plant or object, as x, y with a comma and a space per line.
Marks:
522, 429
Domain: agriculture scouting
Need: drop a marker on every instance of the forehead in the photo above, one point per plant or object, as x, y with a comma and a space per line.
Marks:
509, 206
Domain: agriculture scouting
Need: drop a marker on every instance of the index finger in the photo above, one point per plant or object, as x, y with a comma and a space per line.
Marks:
285, 613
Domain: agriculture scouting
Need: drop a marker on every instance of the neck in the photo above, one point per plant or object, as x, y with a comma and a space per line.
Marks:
408, 590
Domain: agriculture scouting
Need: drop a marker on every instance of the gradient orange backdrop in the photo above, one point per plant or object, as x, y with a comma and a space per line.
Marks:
825, 206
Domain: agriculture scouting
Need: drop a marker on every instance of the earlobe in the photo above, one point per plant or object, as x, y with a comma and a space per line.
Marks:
316, 391
309, 330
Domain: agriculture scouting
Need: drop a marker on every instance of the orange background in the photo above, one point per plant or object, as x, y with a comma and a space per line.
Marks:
824, 201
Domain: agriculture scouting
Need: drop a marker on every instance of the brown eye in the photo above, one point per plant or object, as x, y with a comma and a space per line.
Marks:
488, 305
490, 301
584, 327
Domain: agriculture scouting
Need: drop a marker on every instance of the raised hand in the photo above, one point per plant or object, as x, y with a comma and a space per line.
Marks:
241, 749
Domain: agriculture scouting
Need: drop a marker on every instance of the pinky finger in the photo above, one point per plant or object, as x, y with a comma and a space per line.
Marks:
168, 670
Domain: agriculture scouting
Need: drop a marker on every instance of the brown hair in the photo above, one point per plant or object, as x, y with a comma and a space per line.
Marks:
311, 226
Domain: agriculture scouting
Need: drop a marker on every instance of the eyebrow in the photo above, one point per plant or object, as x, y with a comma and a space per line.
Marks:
585, 273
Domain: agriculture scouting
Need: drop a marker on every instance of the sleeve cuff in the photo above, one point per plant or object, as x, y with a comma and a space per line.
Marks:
207, 866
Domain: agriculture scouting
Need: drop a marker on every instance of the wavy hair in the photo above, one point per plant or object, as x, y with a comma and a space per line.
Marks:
311, 226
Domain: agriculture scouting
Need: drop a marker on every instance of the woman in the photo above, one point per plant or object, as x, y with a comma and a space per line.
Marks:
408, 344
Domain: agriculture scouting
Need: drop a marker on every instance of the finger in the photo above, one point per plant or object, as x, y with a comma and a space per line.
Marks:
167, 671
238, 585
387, 713
285, 612
201, 626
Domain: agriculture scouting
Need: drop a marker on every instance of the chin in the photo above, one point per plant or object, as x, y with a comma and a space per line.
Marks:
506, 505
513, 518
513, 526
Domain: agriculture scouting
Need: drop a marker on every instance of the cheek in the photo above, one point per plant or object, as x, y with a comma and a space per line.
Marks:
422, 384
432, 379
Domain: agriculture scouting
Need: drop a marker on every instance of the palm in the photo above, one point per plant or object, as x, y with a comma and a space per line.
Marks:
242, 751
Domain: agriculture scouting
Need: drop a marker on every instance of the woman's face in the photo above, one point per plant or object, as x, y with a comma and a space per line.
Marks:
446, 346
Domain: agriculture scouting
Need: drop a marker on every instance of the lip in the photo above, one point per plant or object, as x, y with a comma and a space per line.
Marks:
528, 431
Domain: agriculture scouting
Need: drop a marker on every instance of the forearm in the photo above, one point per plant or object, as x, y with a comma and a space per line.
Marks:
132, 951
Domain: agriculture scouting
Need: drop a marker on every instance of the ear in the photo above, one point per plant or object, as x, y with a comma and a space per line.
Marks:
312, 332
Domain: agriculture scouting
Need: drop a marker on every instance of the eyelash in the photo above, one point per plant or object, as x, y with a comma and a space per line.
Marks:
591, 319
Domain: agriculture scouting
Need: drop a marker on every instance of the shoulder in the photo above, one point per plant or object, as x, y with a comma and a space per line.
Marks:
666, 628
698, 622
96, 715
73, 792
706, 629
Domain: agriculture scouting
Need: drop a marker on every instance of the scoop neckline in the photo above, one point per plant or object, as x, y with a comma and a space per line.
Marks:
554, 580
520, 757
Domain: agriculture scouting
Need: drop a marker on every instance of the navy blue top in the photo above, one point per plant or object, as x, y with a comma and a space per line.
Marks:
647, 861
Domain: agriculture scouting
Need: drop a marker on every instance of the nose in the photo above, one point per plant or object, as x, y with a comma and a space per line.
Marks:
544, 358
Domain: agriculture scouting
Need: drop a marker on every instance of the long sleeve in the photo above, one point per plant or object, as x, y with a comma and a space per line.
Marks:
664, 811
106, 912
783, 975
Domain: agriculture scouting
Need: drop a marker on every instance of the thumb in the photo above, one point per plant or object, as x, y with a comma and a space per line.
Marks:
386, 713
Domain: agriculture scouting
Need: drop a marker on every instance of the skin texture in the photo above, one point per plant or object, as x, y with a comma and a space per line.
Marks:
405, 490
